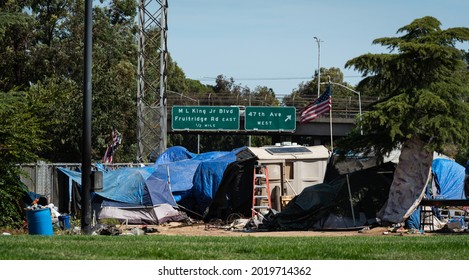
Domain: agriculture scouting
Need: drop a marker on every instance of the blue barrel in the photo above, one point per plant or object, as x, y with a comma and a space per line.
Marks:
39, 222
64, 222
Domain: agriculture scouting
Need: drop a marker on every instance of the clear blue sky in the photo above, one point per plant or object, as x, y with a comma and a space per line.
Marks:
271, 42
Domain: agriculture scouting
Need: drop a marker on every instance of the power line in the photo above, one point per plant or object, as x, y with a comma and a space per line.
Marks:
270, 78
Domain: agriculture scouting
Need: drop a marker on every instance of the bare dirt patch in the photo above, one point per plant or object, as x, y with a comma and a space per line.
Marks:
203, 229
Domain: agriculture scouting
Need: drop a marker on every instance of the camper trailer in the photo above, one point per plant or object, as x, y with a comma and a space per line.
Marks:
291, 168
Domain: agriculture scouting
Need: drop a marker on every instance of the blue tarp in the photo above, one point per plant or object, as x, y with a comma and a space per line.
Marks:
176, 153
176, 174
73, 175
208, 176
132, 186
449, 179
414, 219
127, 185
182, 173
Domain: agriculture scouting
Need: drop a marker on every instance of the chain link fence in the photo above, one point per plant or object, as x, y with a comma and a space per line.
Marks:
41, 177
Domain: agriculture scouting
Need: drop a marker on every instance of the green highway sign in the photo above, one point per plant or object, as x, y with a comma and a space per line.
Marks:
270, 118
205, 118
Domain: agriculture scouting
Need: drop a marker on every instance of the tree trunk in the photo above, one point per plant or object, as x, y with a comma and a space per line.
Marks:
410, 179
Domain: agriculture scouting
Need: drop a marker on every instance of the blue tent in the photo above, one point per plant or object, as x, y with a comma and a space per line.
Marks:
177, 175
180, 173
194, 179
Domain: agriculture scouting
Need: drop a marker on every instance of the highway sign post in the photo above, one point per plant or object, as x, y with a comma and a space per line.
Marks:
205, 118
270, 118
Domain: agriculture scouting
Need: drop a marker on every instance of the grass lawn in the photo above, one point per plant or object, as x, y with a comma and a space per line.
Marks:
159, 247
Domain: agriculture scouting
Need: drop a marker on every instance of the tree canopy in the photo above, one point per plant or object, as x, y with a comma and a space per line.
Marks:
424, 81
307, 91
41, 54
424, 84
20, 139
41, 49
41, 75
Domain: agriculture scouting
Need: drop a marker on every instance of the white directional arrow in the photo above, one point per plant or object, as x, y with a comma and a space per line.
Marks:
288, 118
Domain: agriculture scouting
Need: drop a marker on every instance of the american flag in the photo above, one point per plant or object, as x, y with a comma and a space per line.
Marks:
318, 107
111, 149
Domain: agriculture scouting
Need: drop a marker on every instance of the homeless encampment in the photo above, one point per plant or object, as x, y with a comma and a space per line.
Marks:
152, 194
356, 191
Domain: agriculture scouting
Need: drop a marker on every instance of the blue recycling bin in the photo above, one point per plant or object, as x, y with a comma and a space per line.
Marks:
64, 222
39, 222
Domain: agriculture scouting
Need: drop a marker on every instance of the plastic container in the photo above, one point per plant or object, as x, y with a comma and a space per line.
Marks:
64, 222
39, 222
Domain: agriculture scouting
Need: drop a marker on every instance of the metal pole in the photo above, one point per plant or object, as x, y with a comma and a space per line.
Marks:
330, 127
86, 152
351, 202
198, 135
168, 174
319, 65
249, 136
140, 81
163, 76
360, 112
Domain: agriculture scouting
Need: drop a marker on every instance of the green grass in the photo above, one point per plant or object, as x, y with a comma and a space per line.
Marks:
157, 247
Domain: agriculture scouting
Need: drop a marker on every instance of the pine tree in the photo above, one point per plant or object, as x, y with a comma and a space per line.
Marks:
425, 109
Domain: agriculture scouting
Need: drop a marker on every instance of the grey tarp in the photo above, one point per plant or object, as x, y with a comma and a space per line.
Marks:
307, 208
410, 181
328, 205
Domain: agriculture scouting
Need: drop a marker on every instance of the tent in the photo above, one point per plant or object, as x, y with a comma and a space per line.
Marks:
132, 195
195, 179
181, 172
307, 208
132, 186
178, 179
147, 201
335, 207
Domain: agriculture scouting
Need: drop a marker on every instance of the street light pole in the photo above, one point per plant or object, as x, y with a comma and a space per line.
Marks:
359, 101
86, 216
319, 64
